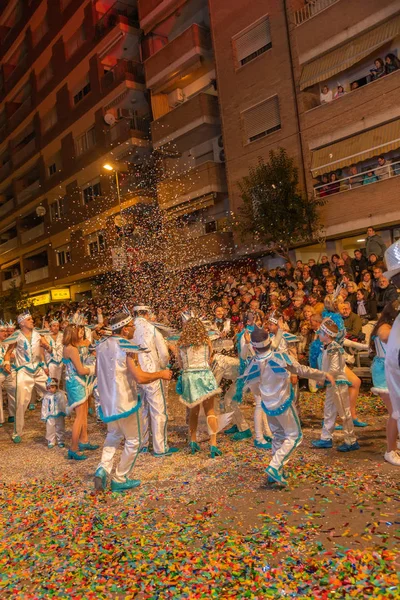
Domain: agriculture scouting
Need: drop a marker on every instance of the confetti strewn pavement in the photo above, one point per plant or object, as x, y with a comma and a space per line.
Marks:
202, 528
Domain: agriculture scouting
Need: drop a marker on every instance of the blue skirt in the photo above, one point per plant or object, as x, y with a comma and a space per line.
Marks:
194, 387
378, 376
76, 393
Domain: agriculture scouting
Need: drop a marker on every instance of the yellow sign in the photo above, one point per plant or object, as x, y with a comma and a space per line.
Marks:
40, 299
61, 294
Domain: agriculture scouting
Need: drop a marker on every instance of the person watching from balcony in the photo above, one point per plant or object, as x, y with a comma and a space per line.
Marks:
370, 177
334, 185
392, 63
323, 186
354, 85
374, 244
386, 293
339, 92
383, 169
326, 95
355, 180
379, 70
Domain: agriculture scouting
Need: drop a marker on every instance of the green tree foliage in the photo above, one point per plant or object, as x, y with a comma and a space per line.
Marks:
14, 301
274, 212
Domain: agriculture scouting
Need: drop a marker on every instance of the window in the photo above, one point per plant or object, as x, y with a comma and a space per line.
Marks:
252, 42
96, 243
85, 141
82, 90
57, 210
75, 42
261, 120
49, 119
63, 256
52, 169
44, 76
90, 191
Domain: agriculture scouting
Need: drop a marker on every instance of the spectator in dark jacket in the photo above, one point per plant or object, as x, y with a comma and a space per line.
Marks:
386, 293
352, 321
374, 243
358, 265
365, 306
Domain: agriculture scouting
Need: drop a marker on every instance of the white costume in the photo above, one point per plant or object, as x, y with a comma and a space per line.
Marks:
227, 367
118, 405
54, 358
152, 394
54, 410
392, 369
30, 374
7, 383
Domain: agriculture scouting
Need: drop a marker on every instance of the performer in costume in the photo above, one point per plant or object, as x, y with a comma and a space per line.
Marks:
379, 338
196, 385
54, 406
117, 375
76, 386
31, 374
277, 398
7, 380
392, 363
154, 411
54, 356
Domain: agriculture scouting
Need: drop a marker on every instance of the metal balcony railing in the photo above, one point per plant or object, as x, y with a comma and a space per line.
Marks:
312, 8
28, 192
20, 155
32, 233
8, 283
125, 126
119, 12
124, 69
37, 274
8, 245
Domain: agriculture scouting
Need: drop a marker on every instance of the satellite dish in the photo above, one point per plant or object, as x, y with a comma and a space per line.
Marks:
40, 211
109, 119
119, 221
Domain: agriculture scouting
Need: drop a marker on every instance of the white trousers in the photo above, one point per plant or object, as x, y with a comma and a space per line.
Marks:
26, 384
261, 425
56, 371
286, 436
129, 430
154, 415
55, 429
231, 406
7, 383
337, 401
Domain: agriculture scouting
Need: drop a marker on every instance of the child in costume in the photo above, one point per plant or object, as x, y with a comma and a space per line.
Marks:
54, 411
277, 397
197, 385
337, 400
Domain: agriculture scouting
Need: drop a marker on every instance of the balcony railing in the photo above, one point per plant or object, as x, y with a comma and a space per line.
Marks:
8, 283
126, 127
365, 177
203, 108
124, 69
23, 153
6, 207
181, 52
5, 170
8, 245
28, 192
37, 274
20, 113
312, 8
32, 234
118, 13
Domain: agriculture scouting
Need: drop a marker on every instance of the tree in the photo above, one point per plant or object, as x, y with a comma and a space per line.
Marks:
14, 301
275, 213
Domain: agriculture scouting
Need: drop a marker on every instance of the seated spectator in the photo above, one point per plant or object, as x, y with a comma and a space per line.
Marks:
235, 315
307, 280
377, 274
386, 293
313, 267
352, 322
300, 291
383, 170
379, 70
366, 282
323, 265
307, 313
340, 91
355, 179
329, 286
370, 177
345, 256
392, 63
352, 291
373, 262
358, 264
316, 304
334, 185
334, 260
365, 306
326, 95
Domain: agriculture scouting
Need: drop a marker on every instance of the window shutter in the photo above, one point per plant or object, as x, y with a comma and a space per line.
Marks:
262, 119
253, 40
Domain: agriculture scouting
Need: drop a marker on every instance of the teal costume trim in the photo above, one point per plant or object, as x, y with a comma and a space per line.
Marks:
120, 415
281, 409
60, 414
298, 439
243, 364
39, 366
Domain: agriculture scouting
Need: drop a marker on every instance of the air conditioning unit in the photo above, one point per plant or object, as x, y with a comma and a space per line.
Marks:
218, 149
176, 97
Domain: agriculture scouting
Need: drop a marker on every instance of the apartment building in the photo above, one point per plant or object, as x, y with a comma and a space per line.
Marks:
255, 72
72, 98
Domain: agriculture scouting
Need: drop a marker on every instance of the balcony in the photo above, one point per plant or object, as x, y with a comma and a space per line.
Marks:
28, 192
22, 111
5, 170
312, 8
21, 155
208, 178
6, 207
123, 70
37, 274
8, 283
196, 120
137, 127
152, 12
9, 245
32, 234
181, 56
119, 13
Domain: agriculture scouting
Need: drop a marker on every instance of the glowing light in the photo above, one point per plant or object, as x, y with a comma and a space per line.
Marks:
362, 240
108, 167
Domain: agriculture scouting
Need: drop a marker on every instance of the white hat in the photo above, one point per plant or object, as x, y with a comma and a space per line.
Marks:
142, 307
392, 259
23, 316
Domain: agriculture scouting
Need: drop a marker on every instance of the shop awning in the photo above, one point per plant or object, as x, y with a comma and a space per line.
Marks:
349, 54
188, 207
357, 148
